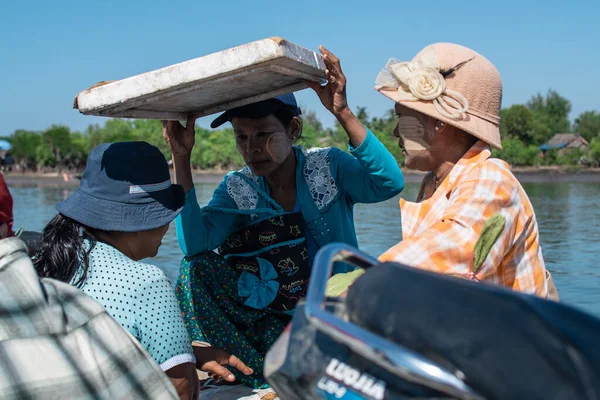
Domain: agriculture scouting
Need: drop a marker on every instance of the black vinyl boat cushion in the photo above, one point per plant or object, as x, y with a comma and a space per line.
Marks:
508, 345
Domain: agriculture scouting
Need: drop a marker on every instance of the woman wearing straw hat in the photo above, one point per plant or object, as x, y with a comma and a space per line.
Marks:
448, 102
119, 216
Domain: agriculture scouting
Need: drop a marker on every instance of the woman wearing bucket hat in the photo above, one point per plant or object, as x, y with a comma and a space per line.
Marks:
268, 221
119, 216
448, 102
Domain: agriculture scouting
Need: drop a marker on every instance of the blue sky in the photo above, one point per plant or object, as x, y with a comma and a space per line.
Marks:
51, 50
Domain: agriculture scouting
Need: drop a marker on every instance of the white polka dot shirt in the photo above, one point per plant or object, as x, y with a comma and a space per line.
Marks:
140, 297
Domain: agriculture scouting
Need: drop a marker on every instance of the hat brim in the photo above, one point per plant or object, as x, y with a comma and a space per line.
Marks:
252, 111
472, 124
122, 217
221, 119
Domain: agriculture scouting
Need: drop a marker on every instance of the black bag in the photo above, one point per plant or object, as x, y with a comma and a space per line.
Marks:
281, 242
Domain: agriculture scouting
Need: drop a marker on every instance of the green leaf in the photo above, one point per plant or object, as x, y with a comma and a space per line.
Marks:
338, 284
491, 232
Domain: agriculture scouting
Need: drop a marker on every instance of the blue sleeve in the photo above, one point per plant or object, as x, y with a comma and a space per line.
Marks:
372, 175
199, 230
159, 324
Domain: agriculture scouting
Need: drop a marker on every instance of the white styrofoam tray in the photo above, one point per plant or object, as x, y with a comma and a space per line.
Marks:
206, 85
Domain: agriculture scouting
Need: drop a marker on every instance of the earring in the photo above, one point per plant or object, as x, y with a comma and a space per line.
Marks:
439, 125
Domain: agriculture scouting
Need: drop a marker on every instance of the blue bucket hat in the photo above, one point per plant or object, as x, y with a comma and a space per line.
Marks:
260, 109
126, 187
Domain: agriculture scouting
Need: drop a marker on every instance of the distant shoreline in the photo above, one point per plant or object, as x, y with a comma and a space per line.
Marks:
524, 174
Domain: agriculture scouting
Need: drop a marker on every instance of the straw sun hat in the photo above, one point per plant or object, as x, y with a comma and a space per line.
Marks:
450, 83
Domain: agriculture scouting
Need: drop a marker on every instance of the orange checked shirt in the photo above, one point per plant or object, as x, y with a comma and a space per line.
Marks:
440, 233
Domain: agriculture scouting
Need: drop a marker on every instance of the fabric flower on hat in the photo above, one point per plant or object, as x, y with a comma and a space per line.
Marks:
422, 80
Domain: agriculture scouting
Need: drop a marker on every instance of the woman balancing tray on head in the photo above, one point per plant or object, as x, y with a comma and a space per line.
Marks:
206, 85
269, 219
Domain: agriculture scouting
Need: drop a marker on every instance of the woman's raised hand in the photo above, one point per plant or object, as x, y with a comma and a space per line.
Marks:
180, 138
332, 95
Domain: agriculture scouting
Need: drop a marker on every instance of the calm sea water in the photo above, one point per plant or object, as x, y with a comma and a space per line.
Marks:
568, 217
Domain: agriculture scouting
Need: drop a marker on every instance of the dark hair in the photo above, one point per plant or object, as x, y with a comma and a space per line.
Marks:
63, 250
285, 115
471, 139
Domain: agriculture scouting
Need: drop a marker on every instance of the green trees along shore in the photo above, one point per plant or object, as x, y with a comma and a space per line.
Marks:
524, 128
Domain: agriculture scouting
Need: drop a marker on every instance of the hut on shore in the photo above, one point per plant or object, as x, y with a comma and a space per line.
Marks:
564, 142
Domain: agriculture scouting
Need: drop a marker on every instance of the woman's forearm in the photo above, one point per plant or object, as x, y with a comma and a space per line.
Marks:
183, 171
354, 128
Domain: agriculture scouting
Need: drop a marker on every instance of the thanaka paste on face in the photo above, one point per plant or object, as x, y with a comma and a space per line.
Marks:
413, 134
279, 146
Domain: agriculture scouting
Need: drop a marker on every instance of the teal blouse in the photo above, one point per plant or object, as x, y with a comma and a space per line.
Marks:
329, 182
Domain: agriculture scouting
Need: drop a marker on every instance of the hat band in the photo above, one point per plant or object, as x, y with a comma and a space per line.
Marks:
152, 187
494, 119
